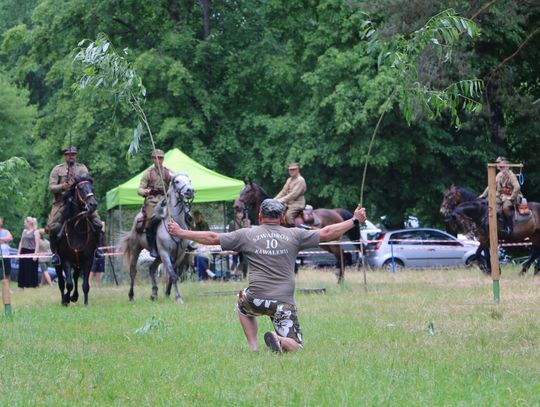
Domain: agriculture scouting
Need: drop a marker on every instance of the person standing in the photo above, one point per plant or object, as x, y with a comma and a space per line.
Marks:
199, 223
29, 244
271, 251
292, 193
5, 239
44, 248
508, 194
61, 178
152, 188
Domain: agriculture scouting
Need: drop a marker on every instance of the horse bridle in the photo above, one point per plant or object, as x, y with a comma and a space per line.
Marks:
80, 198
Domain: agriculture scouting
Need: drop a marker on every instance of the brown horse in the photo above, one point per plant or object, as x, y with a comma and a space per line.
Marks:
250, 200
462, 208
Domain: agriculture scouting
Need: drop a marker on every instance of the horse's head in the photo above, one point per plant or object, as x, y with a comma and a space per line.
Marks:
452, 198
181, 187
82, 194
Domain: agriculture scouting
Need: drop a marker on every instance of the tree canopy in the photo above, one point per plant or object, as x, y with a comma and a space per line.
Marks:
244, 87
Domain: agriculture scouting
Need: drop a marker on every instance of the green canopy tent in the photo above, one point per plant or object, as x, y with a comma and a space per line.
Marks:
209, 187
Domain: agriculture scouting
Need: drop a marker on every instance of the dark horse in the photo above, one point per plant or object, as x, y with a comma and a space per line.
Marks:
250, 200
460, 207
76, 240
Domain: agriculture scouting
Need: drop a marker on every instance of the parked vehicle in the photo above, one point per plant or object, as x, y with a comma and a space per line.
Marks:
419, 248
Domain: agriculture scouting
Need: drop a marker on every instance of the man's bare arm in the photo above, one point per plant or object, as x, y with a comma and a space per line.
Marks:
203, 237
335, 231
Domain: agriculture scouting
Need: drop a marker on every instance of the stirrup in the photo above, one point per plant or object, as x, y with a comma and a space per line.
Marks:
55, 260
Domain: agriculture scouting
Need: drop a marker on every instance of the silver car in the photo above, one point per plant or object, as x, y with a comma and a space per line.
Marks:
419, 248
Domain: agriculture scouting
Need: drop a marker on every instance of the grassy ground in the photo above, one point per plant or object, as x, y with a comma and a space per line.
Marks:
414, 338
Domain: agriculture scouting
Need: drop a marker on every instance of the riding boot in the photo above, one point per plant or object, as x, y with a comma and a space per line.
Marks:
98, 254
55, 259
151, 237
508, 227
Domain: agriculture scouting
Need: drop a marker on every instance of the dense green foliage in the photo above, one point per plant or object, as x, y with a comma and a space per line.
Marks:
363, 346
245, 87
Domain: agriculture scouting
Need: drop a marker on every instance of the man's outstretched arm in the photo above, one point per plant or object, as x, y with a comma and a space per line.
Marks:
204, 237
335, 231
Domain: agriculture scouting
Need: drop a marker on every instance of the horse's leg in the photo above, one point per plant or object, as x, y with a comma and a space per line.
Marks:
152, 270
61, 283
532, 257
75, 295
86, 284
69, 282
132, 275
173, 278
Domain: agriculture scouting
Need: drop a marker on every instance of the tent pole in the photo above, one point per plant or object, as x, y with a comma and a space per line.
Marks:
119, 234
224, 217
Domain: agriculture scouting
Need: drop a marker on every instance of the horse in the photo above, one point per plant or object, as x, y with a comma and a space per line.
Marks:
250, 199
462, 208
76, 241
171, 250
252, 195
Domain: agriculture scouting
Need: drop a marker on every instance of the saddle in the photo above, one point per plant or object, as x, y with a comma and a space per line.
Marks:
307, 217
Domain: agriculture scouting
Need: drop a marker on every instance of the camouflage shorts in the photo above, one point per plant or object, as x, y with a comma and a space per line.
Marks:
283, 315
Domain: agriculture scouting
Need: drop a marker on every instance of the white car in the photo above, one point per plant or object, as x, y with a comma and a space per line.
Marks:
419, 248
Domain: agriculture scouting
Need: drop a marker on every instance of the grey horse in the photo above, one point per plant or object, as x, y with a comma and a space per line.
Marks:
171, 250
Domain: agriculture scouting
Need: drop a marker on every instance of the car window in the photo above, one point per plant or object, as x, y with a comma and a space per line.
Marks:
408, 237
439, 239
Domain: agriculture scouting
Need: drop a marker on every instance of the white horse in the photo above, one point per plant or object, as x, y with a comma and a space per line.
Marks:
171, 250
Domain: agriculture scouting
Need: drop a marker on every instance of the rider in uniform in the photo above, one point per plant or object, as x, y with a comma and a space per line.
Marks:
151, 188
508, 194
61, 179
292, 193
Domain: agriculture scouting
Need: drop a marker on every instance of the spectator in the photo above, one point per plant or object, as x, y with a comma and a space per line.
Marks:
44, 247
29, 243
203, 267
5, 238
200, 223
98, 266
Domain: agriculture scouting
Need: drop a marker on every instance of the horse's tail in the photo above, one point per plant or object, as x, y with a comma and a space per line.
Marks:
353, 233
125, 247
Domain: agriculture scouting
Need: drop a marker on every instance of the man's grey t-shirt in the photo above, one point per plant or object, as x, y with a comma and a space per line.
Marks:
271, 251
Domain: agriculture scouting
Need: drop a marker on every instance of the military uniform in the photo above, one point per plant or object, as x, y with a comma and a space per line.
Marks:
152, 181
508, 194
60, 175
292, 195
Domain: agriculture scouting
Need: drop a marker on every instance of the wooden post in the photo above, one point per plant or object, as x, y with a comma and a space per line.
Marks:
6, 297
493, 235
493, 238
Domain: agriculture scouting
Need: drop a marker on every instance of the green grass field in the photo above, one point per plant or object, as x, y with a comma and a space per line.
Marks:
362, 345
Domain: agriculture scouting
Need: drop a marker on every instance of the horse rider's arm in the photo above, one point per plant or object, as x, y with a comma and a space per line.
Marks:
202, 237
143, 185
298, 190
282, 192
54, 186
484, 194
335, 231
516, 188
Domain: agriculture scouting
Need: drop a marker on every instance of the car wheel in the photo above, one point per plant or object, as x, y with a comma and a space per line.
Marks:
469, 263
398, 265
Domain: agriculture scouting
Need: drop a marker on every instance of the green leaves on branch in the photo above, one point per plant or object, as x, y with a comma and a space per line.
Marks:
11, 175
105, 68
399, 59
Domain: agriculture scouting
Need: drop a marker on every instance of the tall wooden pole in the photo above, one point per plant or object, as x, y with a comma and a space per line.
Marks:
493, 235
493, 239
